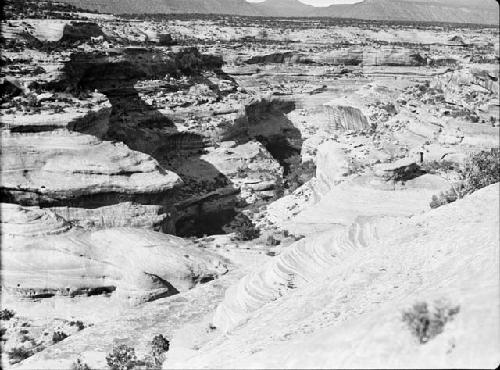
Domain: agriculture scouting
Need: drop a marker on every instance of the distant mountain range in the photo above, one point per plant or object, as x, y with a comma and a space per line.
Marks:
457, 11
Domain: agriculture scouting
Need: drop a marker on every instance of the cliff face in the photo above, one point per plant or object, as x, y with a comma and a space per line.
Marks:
346, 117
392, 57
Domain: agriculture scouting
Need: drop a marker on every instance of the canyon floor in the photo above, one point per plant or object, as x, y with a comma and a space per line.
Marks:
262, 192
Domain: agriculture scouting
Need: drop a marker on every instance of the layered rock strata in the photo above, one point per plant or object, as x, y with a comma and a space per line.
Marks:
138, 264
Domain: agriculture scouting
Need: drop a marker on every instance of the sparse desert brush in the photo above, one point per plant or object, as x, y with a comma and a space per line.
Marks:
246, 230
6, 314
440, 166
445, 197
480, 170
159, 346
79, 324
79, 365
18, 354
425, 323
58, 336
272, 241
122, 358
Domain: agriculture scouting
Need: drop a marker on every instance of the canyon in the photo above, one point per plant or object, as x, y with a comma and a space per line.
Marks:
261, 191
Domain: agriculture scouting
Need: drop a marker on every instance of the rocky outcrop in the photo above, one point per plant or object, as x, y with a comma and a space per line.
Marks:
93, 120
121, 68
249, 166
279, 57
347, 57
399, 171
18, 221
392, 57
57, 160
455, 84
332, 165
9, 89
86, 179
81, 31
54, 31
124, 214
344, 116
55, 168
138, 264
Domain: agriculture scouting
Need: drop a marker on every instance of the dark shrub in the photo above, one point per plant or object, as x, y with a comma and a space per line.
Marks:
448, 196
440, 166
79, 324
6, 314
246, 230
480, 170
425, 324
18, 354
79, 365
2, 333
58, 336
159, 346
122, 358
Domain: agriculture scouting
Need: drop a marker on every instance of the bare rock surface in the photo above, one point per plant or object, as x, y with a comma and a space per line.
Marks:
297, 161
139, 264
47, 167
355, 291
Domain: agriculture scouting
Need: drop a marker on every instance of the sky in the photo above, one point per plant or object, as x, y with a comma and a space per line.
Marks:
318, 2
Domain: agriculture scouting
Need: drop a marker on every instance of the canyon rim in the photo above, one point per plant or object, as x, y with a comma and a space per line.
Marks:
231, 184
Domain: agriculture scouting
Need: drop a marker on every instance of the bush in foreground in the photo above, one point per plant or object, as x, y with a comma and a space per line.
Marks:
58, 336
425, 323
122, 358
480, 170
18, 354
159, 346
6, 314
246, 230
79, 365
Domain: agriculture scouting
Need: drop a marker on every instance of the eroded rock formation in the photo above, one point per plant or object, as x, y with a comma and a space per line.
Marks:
140, 265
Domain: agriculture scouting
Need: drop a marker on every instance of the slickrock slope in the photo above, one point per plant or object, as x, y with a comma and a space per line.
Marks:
139, 264
350, 285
